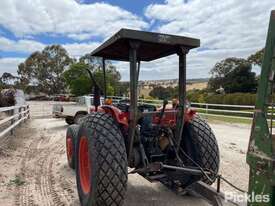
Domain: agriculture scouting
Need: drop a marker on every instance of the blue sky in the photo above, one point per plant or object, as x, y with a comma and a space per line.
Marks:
226, 28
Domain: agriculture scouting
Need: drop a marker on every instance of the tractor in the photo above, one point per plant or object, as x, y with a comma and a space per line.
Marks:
172, 145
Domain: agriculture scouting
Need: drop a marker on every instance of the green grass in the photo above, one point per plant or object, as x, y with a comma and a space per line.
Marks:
215, 119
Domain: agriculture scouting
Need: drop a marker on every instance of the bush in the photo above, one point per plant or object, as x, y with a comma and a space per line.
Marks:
7, 98
197, 95
163, 93
202, 96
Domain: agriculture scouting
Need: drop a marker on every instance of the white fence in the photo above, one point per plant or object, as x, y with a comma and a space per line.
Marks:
13, 116
218, 110
224, 110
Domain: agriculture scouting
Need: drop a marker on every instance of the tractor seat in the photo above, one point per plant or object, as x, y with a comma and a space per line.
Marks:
124, 107
147, 108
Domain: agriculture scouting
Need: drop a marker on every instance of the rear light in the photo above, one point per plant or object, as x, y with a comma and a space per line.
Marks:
108, 101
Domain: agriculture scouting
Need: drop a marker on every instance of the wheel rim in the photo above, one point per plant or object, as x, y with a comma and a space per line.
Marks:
84, 165
69, 144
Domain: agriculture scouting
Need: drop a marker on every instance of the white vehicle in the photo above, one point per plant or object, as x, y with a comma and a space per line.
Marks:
73, 111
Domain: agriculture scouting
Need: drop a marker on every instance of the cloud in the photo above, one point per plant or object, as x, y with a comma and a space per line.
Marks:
79, 49
226, 28
10, 65
23, 45
29, 46
66, 17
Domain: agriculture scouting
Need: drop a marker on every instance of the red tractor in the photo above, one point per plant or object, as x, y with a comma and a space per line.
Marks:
173, 146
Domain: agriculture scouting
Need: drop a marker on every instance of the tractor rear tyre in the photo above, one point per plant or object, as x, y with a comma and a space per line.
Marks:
101, 169
71, 138
77, 118
200, 144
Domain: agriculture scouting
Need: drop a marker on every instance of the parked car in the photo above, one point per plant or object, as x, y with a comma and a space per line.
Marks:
73, 111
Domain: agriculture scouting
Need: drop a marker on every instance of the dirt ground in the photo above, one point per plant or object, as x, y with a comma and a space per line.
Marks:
34, 169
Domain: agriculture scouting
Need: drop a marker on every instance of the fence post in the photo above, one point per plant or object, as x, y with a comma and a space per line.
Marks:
12, 120
28, 108
19, 114
25, 114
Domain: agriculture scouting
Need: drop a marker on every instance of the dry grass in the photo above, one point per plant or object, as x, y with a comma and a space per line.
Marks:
200, 85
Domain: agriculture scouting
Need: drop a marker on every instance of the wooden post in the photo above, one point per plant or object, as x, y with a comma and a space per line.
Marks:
12, 120
28, 108
20, 114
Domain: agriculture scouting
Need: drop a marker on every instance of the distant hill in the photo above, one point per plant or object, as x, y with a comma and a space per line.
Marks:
198, 80
170, 81
145, 86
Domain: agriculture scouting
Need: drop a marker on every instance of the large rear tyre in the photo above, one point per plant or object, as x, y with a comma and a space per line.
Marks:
77, 118
200, 144
101, 170
71, 138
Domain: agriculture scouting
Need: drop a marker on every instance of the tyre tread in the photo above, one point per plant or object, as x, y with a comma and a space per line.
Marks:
111, 159
207, 146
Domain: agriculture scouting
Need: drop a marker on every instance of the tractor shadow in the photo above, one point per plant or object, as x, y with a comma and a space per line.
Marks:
59, 127
142, 192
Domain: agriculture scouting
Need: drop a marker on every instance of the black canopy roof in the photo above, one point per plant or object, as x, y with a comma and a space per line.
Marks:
152, 45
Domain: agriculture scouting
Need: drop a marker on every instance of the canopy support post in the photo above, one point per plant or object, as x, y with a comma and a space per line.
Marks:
182, 94
104, 78
134, 45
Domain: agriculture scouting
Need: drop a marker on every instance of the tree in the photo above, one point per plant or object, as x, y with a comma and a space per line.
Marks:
122, 89
234, 75
2, 86
94, 62
78, 80
257, 58
8, 79
45, 69
7, 97
163, 93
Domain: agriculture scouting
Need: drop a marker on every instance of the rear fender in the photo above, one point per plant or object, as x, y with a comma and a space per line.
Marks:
117, 114
170, 117
189, 114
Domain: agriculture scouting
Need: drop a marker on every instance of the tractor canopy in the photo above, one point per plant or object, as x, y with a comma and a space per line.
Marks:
152, 45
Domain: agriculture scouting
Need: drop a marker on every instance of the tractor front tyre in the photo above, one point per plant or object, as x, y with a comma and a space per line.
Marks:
71, 138
101, 169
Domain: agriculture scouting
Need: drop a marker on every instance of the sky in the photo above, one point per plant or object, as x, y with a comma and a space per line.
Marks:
228, 28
